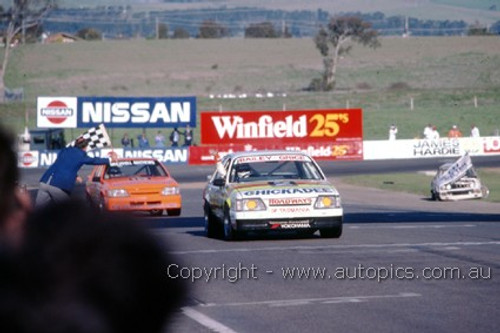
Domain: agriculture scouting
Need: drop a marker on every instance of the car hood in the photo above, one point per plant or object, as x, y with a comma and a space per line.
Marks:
280, 188
136, 182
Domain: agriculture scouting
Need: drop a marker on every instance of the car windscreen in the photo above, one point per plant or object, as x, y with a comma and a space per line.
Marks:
135, 169
271, 170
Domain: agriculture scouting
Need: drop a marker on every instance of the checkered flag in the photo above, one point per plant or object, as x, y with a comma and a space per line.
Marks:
97, 137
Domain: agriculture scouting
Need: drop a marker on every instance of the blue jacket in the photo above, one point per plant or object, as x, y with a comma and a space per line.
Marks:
63, 172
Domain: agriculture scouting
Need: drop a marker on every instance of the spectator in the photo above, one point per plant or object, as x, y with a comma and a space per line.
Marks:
143, 140
434, 134
474, 131
174, 137
159, 140
125, 141
428, 131
454, 132
57, 183
188, 136
393, 131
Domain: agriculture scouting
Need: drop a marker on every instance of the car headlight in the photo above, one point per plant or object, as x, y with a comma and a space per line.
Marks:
171, 190
250, 204
119, 192
330, 201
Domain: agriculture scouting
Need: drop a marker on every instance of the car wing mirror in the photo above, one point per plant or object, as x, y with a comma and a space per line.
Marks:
219, 182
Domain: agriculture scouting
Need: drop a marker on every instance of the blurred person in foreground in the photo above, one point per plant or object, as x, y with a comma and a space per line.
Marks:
14, 201
58, 182
87, 272
73, 269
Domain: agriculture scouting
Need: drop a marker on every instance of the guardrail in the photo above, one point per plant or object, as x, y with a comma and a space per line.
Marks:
370, 150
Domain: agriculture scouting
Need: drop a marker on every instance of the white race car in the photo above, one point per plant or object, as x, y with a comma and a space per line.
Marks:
458, 181
270, 190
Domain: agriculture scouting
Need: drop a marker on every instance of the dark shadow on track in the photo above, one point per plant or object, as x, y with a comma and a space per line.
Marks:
254, 236
349, 218
418, 216
197, 222
172, 222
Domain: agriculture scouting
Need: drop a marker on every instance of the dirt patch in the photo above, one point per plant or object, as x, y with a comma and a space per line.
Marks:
491, 170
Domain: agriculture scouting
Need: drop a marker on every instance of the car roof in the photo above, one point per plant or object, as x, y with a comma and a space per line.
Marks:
136, 159
266, 152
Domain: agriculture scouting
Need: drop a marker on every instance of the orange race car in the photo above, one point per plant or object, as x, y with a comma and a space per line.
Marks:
134, 184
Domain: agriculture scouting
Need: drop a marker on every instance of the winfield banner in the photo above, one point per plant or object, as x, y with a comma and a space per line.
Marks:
281, 127
345, 149
118, 112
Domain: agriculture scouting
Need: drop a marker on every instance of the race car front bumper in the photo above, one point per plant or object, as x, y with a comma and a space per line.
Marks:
143, 203
312, 223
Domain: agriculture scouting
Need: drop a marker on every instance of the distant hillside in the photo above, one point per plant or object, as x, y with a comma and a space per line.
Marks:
295, 18
483, 11
125, 22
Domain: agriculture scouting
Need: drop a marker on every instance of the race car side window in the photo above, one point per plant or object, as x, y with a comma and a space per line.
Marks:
98, 173
221, 170
309, 171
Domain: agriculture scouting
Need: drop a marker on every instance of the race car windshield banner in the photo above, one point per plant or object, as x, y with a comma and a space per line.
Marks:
123, 112
262, 127
456, 171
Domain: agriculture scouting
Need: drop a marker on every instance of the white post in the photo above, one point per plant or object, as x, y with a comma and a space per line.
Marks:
411, 103
475, 102
284, 107
26, 117
157, 28
347, 104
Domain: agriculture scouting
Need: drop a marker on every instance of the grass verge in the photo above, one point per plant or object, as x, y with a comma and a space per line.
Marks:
419, 183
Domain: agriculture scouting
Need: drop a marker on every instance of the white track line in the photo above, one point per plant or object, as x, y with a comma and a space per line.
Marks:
206, 321
309, 301
431, 226
340, 247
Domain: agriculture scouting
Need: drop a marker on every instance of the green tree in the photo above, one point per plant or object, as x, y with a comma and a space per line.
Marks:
162, 31
477, 29
180, 33
22, 16
89, 34
212, 29
336, 40
261, 30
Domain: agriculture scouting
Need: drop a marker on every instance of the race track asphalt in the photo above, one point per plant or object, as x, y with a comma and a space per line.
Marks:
403, 264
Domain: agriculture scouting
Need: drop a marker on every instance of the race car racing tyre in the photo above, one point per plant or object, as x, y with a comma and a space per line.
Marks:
156, 212
174, 212
485, 191
89, 201
434, 197
101, 206
229, 233
331, 232
212, 229
306, 233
